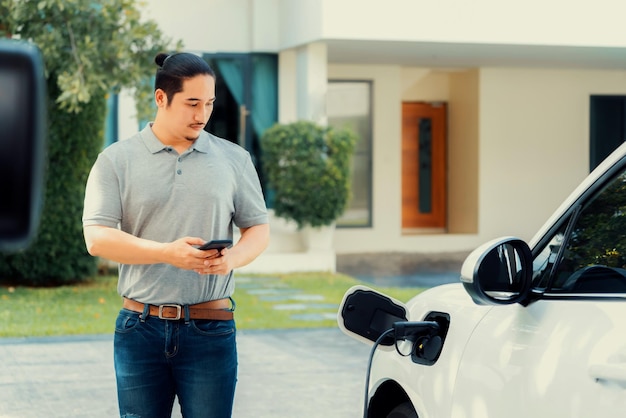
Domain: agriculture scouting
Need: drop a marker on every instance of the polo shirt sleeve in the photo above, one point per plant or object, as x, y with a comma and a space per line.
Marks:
250, 207
102, 195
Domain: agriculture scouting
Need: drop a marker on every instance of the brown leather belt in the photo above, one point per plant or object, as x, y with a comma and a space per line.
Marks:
214, 310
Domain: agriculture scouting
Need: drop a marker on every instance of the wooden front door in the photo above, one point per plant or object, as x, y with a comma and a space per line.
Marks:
423, 166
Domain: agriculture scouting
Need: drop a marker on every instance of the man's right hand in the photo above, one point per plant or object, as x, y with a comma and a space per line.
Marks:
183, 253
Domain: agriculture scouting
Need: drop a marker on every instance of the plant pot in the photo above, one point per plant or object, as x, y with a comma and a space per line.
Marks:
317, 238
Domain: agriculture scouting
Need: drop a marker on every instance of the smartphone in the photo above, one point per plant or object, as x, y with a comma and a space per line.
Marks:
216, 244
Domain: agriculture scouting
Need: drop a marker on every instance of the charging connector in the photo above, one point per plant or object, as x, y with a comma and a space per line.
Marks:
407, 330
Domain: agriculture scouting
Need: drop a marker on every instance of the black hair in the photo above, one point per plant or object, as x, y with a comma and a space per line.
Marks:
174, 69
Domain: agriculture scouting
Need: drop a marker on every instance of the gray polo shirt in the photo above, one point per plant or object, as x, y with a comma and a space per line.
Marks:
150, 191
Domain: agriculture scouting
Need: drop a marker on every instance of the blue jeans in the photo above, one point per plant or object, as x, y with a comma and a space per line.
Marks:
158, 359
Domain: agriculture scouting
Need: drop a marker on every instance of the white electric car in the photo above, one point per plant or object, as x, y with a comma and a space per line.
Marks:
531, 330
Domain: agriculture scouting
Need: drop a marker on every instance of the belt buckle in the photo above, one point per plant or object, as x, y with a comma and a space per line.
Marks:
178, 312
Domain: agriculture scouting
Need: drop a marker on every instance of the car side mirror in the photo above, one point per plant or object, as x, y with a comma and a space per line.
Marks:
23, 102
498, 272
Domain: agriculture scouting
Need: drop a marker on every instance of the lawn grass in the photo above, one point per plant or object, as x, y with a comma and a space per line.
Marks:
303, 300
87, 308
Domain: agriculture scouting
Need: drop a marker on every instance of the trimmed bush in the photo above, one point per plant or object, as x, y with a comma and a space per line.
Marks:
308, 170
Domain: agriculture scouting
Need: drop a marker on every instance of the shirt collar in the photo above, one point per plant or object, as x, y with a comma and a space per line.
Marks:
202, 143
154, 145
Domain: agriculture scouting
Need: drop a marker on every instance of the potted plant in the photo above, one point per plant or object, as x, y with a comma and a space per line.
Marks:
307, 167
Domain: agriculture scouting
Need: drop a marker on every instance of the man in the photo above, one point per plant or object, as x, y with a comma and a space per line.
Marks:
150, 201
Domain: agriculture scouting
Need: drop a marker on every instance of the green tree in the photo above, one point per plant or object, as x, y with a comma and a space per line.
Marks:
90, 49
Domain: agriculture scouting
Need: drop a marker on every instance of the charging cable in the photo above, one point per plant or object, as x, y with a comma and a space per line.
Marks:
404, 330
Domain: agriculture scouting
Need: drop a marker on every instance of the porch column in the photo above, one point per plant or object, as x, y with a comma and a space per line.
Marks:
302, 84
312, 82
287, 86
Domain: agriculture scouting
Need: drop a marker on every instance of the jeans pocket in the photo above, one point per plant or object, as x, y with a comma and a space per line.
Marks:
126, 321
213, 328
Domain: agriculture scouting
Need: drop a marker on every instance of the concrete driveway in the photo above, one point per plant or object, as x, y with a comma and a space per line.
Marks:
282, 374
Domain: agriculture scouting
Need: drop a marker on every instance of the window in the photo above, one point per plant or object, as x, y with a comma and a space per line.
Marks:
349, 106
588, 253
607, 126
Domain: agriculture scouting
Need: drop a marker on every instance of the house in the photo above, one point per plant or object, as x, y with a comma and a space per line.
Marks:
476, 119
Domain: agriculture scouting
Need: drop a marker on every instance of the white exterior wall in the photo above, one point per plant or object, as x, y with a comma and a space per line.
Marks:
533, 22
218, 25
272, 25
392, 85
534, 142
518, 138
387, 135
533, 149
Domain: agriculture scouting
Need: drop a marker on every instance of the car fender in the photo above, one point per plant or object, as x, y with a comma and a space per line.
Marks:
430, 388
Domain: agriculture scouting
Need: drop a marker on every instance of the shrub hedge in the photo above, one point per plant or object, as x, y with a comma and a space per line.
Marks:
58, 254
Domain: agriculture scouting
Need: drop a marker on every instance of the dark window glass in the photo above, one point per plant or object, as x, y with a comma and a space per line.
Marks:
594, 257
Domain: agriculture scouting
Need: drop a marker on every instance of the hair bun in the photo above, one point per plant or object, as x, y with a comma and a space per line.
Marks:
160, 59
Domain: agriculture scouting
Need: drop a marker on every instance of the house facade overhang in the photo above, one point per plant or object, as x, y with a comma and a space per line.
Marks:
517, 79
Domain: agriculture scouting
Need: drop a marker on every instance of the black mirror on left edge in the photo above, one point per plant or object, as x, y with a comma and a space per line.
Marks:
22, 142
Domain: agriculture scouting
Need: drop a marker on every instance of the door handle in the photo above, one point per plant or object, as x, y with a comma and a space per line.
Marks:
609, 372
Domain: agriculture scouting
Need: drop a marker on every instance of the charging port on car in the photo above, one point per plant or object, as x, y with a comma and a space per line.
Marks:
426, 349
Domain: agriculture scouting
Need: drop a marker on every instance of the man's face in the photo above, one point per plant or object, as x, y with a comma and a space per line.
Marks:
190, 109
